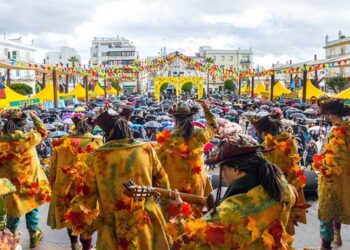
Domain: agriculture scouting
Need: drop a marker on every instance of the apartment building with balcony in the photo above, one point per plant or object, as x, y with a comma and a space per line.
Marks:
240, 58
112, 51
335, 49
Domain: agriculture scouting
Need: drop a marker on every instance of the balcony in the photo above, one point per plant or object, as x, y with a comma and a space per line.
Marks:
245, 61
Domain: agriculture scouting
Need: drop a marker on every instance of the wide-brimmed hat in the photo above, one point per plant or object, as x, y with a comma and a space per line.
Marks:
329, 105
77, 118
183, 108
233, 148
258, 122
14, 115
107, 119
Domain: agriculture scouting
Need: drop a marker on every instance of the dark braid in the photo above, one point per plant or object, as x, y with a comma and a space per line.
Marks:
9, 127
185, 123
83, 127
120, 130
268, 174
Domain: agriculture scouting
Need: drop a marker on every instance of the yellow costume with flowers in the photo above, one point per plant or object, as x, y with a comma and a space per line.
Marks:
123, 223
334, 181
249, 221
19, 163
284, 154
183, 160
66, 174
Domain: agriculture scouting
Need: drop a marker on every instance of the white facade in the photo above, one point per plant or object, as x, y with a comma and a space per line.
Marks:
337, 48
225, 58
61, 56
112, 51
15, 50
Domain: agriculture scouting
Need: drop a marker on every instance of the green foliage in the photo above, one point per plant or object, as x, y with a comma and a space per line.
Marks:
228, 85
116, 84
22, 88
337, 84
187, 86
73, 60
163, 87
37, 88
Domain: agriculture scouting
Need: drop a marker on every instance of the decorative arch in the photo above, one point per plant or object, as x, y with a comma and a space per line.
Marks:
178, 82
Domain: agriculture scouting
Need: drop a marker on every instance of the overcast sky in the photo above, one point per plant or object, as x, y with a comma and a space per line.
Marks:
277, 30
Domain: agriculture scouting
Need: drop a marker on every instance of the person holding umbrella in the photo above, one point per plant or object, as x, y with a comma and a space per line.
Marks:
181, 150
253, 212
20, 164
333, 166
66, 175
284, 154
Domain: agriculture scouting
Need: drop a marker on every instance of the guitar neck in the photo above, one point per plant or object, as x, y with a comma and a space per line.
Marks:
190, 198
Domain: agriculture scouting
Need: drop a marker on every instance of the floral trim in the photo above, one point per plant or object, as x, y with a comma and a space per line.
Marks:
326, 163
230, 230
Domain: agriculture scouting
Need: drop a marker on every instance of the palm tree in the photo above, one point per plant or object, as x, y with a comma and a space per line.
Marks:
73, 60
209, 62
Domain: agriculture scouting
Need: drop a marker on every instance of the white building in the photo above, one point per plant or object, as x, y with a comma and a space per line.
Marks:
225, 58
336, 49
15, 50
62, 56
114, 51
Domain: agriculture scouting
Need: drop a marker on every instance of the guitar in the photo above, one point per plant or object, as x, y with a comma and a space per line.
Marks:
136, 191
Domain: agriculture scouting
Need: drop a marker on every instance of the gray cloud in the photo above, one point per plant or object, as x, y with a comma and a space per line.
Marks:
293, 29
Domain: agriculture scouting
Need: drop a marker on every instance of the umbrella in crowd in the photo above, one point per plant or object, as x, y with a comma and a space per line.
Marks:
57, 134
152, 124
249, 114
298, 115
68, 121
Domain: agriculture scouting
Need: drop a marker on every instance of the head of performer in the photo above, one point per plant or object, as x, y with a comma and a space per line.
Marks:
82, 124
183, 113
116, 125
242, 167
333, 109
267, 125
16, 120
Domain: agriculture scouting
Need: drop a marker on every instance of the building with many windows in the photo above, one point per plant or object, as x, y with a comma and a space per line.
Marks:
112, 51
62, 56
335, 49
16, 50
225, 58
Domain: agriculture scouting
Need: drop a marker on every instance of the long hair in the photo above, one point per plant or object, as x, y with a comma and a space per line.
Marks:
9, 127
185, 123
269, 175
119, 131
83, 127
271, 126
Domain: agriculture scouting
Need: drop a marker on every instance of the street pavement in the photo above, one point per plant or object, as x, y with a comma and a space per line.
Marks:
306, 235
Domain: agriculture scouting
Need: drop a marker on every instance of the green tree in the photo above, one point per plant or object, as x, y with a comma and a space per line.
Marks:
187, 86
163, 87
116, 84
337, 84
74, 60
22, 88
37, 88
228, 85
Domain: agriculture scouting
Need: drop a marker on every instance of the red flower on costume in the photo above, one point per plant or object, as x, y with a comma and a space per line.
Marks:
196, 170
186, 210
173, 210
215, 235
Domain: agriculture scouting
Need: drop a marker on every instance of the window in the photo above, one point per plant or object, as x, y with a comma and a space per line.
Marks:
14, 54
213, 57
231, 58
222, 58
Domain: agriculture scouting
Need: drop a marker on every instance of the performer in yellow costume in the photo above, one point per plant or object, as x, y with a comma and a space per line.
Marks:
20, 164
123, 223
253, 212
66, 175
283, 152
333, 165
181, 151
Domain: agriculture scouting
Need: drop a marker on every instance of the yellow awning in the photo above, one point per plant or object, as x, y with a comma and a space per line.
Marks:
13, 99
279, 89
78, 91
98, 91
112, 91
46, 94
345, 94
311, 91
259, 88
